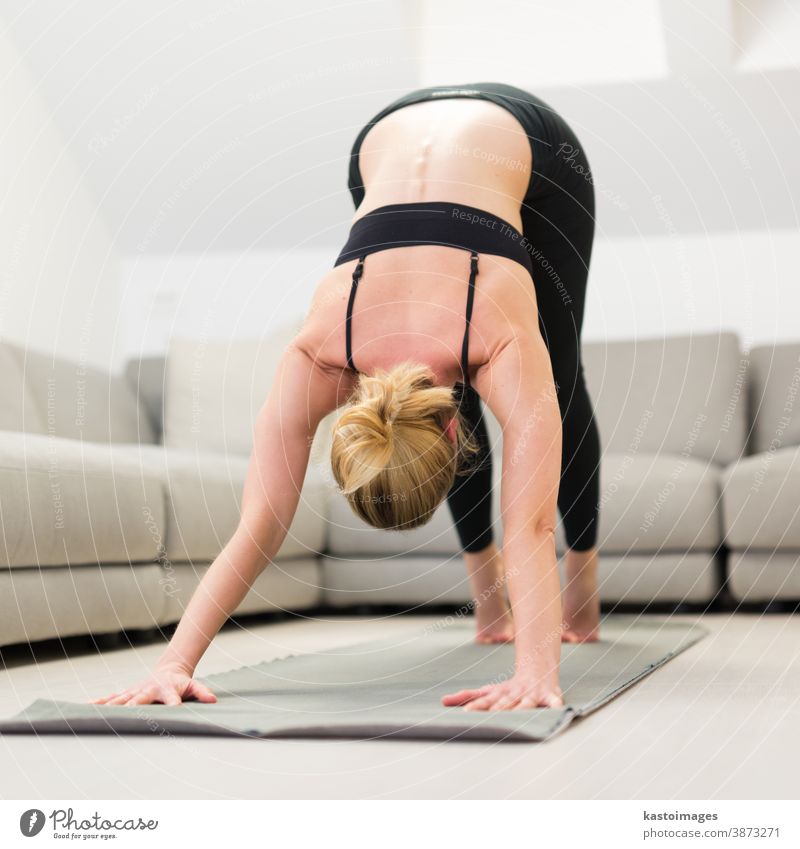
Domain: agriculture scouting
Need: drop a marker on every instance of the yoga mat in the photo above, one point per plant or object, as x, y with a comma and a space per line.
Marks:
387, 688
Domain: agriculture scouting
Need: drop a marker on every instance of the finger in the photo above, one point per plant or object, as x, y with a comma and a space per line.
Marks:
526, 703
142, 695
200, 692
171, 698
103, 699
120, 699
569, 637
505, 702
480, 704
143, 698
464, 696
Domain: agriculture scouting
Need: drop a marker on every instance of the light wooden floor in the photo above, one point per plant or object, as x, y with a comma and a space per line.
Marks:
720, 721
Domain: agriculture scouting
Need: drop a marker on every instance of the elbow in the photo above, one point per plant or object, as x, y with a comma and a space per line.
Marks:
543, 533
544, 527
535, 536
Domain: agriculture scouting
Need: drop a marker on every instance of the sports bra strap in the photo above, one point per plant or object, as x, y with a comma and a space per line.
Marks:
357, 272
473, 271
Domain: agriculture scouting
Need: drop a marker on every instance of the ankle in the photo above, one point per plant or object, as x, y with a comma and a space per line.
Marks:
581, 564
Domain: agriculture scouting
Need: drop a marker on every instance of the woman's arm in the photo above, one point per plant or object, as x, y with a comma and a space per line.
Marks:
302, 394
518, 387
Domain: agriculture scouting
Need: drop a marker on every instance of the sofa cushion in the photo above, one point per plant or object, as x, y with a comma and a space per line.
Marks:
648, 501
39, 604
764, 576
68, 502
431, 579
78, 401
761, 503
203, 491
18, 411
774, 396
652, 503
392, 579
214, 390
648, 504
680, 395
285, 585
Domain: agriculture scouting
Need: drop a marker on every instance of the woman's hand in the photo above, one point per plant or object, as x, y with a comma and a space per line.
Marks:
168, 685
518, 693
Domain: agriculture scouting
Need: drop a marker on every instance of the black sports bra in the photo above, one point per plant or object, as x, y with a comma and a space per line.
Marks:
431, 223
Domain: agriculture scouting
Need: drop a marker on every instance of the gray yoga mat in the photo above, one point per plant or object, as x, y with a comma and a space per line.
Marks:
390, 688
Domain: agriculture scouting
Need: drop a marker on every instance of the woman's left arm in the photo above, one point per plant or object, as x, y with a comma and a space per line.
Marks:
518, 387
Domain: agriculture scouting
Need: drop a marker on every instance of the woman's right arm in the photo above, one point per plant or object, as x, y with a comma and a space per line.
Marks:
302, 394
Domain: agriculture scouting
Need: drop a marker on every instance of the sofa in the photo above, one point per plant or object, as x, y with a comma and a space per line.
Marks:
118, 489
761, 492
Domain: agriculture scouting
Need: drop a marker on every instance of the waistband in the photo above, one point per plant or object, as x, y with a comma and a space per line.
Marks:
436, 223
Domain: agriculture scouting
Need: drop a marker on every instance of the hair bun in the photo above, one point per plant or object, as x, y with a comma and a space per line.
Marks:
391, 407
386, 394
394, 422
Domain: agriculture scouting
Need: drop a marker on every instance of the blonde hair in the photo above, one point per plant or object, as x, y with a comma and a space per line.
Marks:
389, 453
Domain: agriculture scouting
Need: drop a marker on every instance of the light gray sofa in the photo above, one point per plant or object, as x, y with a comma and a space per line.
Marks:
661, 407
105, 529
761, 503
117, 491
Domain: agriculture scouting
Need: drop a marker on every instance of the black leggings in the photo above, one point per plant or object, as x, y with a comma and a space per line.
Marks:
558, 222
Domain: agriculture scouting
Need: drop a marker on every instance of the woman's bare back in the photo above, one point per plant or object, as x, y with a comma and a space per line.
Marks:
411, 302
466, 151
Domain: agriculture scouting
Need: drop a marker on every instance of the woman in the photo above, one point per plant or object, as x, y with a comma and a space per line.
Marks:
464, 197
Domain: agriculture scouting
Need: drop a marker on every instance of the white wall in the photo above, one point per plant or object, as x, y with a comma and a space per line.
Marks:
58, 267
539, 43
215, 138
217, 296
675, 284
216, 125
227, 125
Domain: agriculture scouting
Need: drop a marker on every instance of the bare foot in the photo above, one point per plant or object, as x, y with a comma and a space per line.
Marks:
578, 634
493, 619
495, 625
581, 599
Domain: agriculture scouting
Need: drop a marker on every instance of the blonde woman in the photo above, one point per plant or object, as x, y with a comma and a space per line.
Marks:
468, 254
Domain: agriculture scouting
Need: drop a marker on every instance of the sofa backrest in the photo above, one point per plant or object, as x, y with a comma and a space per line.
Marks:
18, 412
214, 390
78, 401
679, 395
773, 396
146, 377
682, 395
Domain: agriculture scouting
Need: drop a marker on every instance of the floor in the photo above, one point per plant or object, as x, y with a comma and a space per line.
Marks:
720, 721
